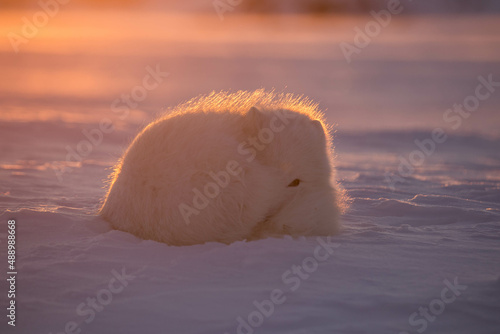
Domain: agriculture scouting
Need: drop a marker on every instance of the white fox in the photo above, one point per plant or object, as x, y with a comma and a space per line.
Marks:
228, 167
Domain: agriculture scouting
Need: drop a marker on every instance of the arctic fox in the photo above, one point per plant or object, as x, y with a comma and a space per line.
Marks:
228, 167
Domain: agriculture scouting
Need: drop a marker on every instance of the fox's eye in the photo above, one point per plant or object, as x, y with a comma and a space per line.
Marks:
294, 183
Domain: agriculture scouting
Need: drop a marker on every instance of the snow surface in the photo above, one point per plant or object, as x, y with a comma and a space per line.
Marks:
399, 249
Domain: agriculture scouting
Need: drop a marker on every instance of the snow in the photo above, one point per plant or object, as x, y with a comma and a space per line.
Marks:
400, 248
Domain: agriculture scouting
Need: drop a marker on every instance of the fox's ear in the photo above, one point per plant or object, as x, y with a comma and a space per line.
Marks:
253, 121
319, 126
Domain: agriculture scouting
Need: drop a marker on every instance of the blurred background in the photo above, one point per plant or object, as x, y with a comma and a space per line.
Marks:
86, 53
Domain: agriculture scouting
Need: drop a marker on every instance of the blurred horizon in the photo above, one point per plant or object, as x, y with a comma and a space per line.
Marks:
278, 6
